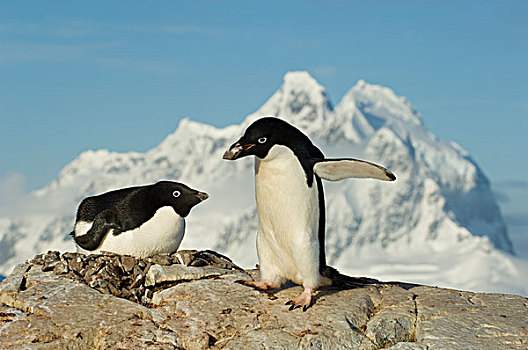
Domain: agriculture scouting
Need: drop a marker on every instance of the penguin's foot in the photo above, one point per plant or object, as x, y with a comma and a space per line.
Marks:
117, 231
304, 299
260, 285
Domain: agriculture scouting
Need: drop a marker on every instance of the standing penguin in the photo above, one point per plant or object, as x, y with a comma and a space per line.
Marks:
139, 221
291, 207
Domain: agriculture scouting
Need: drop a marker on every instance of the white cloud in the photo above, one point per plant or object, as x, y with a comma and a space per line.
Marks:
512, 197
82, 28
181, 29
17, 201
12, 189
17, 53
143, 66
89, 53
57, 28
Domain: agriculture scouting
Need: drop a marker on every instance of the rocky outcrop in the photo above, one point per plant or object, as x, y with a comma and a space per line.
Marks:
192, 300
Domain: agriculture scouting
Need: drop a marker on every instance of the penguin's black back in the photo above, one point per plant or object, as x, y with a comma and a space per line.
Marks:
133, 204
322, 224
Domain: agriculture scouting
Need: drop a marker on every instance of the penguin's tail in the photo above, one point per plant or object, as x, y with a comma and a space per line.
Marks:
344, 281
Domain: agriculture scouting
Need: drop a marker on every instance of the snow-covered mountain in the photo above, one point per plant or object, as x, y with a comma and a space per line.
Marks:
438, 223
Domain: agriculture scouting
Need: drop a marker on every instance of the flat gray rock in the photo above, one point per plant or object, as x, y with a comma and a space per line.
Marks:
158, 274
195, 301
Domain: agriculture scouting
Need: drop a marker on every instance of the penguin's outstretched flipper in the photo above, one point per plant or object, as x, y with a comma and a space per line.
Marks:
343, 168
103, 222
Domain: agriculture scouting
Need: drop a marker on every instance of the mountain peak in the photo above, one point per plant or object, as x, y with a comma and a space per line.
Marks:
380, 101
361, 84
302, 80
301, 100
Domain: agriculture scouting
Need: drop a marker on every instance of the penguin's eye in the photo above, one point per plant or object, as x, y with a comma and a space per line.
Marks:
176, 194
262, 140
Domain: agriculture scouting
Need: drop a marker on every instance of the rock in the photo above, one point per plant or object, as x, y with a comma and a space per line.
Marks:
395, 318
127, 263
408, 346
163, 259
159, 274
192, 300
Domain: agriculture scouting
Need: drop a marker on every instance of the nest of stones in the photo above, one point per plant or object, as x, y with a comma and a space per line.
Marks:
122, 275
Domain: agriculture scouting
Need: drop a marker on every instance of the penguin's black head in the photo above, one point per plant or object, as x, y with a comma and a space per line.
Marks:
262, 135
180, 197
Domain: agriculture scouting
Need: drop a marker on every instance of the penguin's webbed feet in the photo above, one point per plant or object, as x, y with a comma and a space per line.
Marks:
304, 300
259, 285
116, 230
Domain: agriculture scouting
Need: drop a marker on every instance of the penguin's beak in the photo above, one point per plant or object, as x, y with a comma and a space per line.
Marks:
236, 150
202, 196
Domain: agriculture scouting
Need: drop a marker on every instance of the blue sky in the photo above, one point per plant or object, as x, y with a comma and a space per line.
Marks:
120, 75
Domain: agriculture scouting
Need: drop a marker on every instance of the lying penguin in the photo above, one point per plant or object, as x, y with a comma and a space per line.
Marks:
139, 221
291, 207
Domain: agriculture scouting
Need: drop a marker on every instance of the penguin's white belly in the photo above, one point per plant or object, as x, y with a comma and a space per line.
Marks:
288, 212
162, 234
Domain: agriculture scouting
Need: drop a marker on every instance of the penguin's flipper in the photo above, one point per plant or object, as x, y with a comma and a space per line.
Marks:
339, 169
103, 222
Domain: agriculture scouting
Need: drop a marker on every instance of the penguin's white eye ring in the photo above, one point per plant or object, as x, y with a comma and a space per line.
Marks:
262, 140
176, 194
